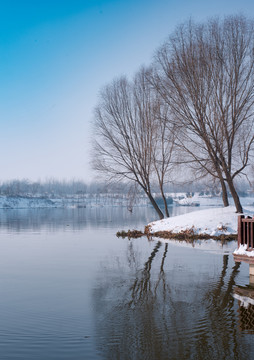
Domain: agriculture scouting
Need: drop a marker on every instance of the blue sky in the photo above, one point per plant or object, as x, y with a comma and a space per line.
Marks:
54, 58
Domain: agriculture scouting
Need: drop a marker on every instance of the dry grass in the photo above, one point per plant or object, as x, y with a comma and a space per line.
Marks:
185, 235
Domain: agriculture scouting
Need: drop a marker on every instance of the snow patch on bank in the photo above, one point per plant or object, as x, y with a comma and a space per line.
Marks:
242, 250
18, 202
215, 222
210, 245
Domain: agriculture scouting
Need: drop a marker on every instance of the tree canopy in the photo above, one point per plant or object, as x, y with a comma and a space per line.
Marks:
194, 107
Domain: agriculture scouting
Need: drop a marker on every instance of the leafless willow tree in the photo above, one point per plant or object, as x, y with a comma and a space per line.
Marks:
205, 72
163, 150
131, 139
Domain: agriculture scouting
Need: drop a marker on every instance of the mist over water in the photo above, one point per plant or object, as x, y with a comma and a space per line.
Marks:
70, 289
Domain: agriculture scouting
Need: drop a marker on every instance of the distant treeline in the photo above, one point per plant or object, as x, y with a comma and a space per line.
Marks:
57, 188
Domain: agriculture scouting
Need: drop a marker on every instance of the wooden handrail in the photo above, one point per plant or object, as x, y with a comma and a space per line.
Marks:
246, 231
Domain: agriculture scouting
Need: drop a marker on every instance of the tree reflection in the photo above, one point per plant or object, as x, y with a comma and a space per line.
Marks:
145, 312
245, 297
220, 335
141, 289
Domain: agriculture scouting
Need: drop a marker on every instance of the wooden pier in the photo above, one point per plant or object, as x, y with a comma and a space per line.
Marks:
246, 231
246, 238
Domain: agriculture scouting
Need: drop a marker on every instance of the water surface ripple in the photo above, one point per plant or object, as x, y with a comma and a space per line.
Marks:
70, 289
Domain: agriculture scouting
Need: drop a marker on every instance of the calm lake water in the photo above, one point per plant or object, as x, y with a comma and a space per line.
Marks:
70, 289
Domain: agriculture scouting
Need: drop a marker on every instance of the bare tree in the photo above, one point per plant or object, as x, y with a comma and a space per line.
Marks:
206, 74
127, 134
163, 149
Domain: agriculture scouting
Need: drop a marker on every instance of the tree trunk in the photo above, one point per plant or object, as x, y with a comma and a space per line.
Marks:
224, 193
234, 194
165, 205
164, 200
155, 205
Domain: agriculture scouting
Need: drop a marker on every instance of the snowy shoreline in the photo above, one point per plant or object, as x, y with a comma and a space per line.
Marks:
214, 222
217, 223
22, 202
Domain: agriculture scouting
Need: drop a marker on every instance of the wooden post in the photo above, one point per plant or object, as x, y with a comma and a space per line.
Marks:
248, 233
240, 230
252, 233
251, 269
251, 272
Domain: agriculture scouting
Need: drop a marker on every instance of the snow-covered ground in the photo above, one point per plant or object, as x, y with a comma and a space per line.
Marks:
180, 199
24, 202
214, 221
207, 200
17, 202
242, 250
209, 246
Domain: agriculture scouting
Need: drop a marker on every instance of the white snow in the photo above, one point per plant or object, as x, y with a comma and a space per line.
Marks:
18, 202
214, 221
245, 301
242, 250
187, 202
210, 245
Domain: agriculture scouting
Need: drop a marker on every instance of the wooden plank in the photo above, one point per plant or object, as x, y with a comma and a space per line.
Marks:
243, 233
248, 232
240, 230
251, 234
248, 235
244, 258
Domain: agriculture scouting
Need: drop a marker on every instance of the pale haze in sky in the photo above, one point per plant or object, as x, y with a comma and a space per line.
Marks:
55, 56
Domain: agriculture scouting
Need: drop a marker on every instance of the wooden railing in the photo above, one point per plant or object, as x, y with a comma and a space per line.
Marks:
246, 231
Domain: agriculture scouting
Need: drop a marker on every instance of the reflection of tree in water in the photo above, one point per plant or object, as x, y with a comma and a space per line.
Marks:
146, 314
245, 298
141, 288
246, 318
217, 334
129, 320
